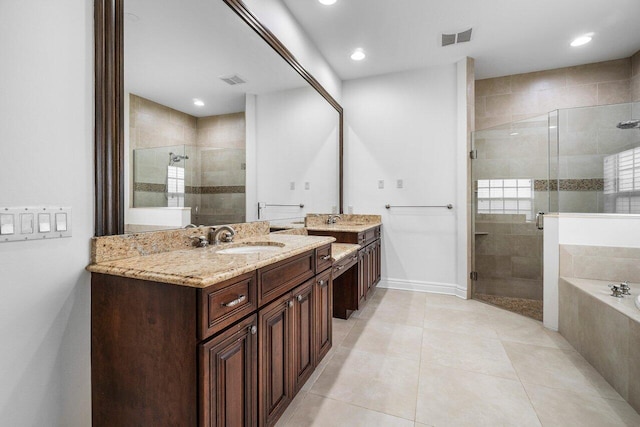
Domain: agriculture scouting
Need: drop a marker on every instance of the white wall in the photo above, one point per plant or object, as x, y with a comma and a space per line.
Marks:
296, 141
585, 230
46, 137
404, 126
277, 18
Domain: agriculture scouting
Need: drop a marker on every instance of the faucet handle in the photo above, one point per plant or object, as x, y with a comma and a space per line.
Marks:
202, 241
226, 237
624, 288
615, 291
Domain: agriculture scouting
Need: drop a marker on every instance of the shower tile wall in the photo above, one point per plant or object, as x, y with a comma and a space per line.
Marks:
221, 142
507, 99
153, 125
635, 77
508, 256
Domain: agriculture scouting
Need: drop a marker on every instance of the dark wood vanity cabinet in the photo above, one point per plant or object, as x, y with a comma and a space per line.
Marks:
350, 292
295, 334
165, 354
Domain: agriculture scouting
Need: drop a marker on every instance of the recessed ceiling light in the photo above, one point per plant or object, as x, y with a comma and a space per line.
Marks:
553, 127
198, 102
327, 2
514, 134
358, 55
582, 40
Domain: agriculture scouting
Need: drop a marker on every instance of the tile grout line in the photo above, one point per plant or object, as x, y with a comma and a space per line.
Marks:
357, 406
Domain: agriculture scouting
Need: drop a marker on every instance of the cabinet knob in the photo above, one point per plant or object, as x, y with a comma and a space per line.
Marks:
323, 283
253, 329
290, 304
300, 298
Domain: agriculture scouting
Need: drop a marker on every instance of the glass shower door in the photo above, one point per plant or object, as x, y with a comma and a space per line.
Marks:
510, 178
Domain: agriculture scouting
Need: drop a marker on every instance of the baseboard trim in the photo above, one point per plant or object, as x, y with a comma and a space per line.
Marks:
418, 286
461, 292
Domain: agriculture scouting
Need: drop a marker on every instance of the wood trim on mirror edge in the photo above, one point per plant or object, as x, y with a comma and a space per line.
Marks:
109, 108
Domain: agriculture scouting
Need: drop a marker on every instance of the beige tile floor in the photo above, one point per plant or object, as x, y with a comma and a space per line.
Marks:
416, 359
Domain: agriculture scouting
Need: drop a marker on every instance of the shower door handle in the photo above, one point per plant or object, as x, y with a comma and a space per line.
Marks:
540, 220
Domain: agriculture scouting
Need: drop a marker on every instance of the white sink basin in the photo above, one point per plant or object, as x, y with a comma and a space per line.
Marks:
252, 248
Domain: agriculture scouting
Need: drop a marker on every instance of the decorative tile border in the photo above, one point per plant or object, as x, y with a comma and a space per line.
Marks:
587, 184
161, 188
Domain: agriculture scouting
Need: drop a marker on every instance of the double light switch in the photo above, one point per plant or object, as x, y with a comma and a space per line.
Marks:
32, 223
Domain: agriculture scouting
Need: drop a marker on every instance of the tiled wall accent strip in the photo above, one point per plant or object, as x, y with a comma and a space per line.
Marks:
220, 189
587, 184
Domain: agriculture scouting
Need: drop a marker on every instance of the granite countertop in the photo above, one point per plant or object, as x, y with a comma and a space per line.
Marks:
599, 289
344, 227
349, 223
202, 267
342, 250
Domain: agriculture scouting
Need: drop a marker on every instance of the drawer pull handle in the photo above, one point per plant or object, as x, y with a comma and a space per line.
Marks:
326, 257
340, 267
253, 329
235, 302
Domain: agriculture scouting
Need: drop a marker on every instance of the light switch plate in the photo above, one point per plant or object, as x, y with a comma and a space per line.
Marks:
381, 184
292, 185
26, 223
7, 224
307, 186
35, 223
400, 183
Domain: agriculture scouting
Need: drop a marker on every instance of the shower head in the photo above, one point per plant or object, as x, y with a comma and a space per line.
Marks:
629, 124
175, 158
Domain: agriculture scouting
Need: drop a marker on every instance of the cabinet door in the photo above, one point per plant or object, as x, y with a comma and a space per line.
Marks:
304, 317
363, 273
274, 341
228, 384
378, 261
324, 313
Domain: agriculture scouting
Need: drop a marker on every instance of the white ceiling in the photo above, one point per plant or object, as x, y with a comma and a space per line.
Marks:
509, 36
176, 51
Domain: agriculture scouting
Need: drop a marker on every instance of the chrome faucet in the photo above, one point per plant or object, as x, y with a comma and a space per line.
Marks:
333, 219
190, 226
215, 234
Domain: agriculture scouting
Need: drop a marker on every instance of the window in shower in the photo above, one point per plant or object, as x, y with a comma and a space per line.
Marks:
622, 182
506, 196
175, 186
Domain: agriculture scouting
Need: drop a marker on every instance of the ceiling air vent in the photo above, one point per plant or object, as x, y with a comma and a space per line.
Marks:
233, 80
449, 39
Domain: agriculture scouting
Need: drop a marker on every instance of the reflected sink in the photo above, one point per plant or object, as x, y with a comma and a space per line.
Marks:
251, 248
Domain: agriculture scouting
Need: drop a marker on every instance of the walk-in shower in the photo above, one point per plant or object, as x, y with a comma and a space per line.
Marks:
582, 160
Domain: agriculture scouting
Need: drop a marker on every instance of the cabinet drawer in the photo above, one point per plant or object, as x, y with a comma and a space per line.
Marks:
323, 258
344, 264
276, 279
224, 303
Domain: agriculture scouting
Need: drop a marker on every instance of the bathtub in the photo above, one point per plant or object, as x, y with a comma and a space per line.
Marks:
605, 330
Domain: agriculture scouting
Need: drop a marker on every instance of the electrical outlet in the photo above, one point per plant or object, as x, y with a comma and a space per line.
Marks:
381, 184
292, 185
400, 183
307, 186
